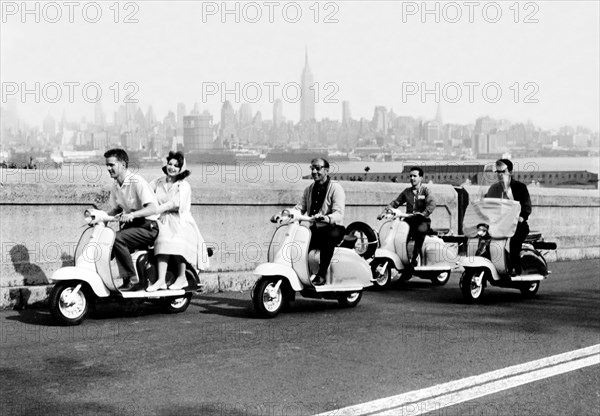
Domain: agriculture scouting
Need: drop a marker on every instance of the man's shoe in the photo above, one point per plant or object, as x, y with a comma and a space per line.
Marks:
131, 287
317, 280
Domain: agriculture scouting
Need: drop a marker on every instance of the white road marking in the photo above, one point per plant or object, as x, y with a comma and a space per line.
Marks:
454, 392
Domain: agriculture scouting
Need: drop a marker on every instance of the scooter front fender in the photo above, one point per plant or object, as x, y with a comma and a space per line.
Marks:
84, 275
383, 253
477, 262
274, 269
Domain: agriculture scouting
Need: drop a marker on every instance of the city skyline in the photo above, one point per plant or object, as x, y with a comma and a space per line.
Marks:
375, 55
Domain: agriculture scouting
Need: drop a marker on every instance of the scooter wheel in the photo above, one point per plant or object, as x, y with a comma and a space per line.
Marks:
178, 304
268, 302
441, 278
382, 279
350, 300
529, 289
66, 308
472, 286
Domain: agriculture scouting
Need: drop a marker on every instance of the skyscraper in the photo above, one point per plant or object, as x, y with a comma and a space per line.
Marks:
228, 130
245, 114
346, 117
198, 132
277, 112
307, 100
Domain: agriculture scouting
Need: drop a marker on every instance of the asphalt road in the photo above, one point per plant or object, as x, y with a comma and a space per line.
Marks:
218, 358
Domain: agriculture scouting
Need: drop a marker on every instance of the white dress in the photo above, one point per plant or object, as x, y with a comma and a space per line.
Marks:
178, 233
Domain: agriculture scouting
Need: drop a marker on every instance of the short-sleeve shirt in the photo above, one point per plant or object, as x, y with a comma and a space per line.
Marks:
132, 195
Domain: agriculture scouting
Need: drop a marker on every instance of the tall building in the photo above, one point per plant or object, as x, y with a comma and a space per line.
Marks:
198, 132
99, 116
438, 115
180, 113
277, 112
346, 116
228, 129
380, 120
307, 100
245, 114
49, 126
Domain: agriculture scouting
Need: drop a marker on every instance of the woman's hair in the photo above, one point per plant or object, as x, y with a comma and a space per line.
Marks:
178, 156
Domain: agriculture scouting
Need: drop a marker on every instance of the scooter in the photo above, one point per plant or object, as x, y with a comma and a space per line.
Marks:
488, 226
290, 265
95, 276
390, 264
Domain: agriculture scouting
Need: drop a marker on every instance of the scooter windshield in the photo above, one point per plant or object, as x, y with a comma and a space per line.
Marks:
501, 215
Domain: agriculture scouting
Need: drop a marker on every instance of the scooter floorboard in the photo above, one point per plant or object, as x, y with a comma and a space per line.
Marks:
157, 294
337, 288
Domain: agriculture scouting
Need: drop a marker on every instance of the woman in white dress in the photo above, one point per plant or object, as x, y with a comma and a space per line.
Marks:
178, 234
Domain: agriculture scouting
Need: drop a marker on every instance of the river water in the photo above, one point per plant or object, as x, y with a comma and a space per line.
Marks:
268, 172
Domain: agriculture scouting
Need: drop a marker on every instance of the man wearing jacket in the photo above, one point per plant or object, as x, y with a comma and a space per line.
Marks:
419, 201
324, 200
509, 188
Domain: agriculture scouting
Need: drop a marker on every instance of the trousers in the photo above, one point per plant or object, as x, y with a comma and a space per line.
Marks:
326, 238
133, 236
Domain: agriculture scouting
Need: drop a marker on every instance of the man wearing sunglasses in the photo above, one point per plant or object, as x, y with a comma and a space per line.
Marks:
420, 202
325, 201
509, 188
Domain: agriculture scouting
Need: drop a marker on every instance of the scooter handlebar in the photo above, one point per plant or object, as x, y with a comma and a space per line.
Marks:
95, 216
388, 213
286, 216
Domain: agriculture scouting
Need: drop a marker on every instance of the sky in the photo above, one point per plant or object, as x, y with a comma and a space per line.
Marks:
520, 61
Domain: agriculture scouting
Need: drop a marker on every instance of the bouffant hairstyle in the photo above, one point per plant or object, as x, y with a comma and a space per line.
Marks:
178, 156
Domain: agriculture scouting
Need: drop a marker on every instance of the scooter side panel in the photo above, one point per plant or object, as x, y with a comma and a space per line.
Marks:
348, 268
275, 269
85, 275
438, 253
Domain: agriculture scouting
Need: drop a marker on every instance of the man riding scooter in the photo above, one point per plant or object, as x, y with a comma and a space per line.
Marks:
324, 200
419, 202
133, 199
509, 188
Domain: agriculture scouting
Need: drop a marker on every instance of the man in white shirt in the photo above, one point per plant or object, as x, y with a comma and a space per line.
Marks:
133, 199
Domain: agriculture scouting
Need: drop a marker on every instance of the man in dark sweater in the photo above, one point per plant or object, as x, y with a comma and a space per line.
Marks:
508, 188
325, 201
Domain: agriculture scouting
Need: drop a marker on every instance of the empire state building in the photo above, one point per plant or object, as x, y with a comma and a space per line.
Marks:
307, 100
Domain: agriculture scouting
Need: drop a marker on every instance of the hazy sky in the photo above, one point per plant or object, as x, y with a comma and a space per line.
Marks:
368, 53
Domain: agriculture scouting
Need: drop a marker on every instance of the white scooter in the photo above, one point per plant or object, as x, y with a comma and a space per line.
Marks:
290, 265
390, 264
488, 226
96, 277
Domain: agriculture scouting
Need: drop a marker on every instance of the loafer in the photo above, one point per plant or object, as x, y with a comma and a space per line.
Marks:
317, 280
